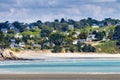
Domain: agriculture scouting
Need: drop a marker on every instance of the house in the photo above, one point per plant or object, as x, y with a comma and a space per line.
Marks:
4, 30
95, 26
71, 27
32, 26
46, 44
75, 41
28, 28
54, 31
76, 34
31, 36
18, 36
109, 23
13, 44
79, 40
118, 24
67, 33
37, 45
21, 44
101, 24
82, 40
90, 37
11, 27
49, 44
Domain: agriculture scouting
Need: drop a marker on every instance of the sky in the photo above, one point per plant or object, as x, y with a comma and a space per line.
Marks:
48, 10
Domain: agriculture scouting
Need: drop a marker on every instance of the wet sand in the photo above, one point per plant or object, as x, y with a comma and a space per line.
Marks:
59, 76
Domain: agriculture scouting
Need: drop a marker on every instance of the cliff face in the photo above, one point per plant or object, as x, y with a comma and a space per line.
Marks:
7, 54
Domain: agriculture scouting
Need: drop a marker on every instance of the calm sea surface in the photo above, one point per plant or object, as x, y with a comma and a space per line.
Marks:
61, 65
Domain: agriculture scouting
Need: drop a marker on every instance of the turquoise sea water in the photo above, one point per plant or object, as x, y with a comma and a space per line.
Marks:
79, 66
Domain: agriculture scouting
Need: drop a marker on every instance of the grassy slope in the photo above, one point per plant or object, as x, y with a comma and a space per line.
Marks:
107, 47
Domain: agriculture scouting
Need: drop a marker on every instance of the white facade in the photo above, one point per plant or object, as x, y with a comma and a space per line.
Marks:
13, 44
21, 44
71, 26
18, 35
91, 37
4, 30
79, 40
95, 26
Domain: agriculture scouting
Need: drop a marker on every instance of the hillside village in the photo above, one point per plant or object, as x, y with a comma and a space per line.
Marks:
86, 35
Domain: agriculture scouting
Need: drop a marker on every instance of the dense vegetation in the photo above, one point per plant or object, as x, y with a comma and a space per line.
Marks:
62, 35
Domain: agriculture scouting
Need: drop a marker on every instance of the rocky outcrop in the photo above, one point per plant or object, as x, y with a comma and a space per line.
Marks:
7, 54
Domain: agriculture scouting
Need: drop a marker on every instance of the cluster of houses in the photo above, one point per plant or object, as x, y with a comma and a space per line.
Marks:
13, 44
90, 38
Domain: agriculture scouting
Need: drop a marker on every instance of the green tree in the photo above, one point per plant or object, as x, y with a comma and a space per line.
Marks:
11, 32
100, 35
62, 20
73, 48
18, 25
82, 35
79, 45
57, 38
116, 35
45, 33
57, 49
3, 41
64, 27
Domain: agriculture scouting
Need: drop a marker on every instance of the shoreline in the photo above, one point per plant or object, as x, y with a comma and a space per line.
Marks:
59, 76
62, 73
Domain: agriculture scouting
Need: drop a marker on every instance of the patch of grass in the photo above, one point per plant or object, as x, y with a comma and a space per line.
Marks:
90, 29
107, 47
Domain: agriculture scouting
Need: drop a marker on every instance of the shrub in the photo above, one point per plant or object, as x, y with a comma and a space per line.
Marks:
57, 49
88, 48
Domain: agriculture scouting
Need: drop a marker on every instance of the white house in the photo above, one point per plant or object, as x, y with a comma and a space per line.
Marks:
18, 36
71, 26
79, 40
118, 24
95, 26
54, 31
13, 44
31, 36
4, 30
46, 44
75, 41
37, 45
67, 33
91, 37
13, 28
21, 44
76, 34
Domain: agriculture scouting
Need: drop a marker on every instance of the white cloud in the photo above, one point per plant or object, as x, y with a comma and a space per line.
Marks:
98, 12
104, 0
32, 10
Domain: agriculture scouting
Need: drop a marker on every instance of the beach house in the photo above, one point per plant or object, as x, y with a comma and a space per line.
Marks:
95, 26
90, 37
71, 27
18, 36
13, 44
4, 30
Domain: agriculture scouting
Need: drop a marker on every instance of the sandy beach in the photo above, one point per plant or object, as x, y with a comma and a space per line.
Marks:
38, 54
59, 77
